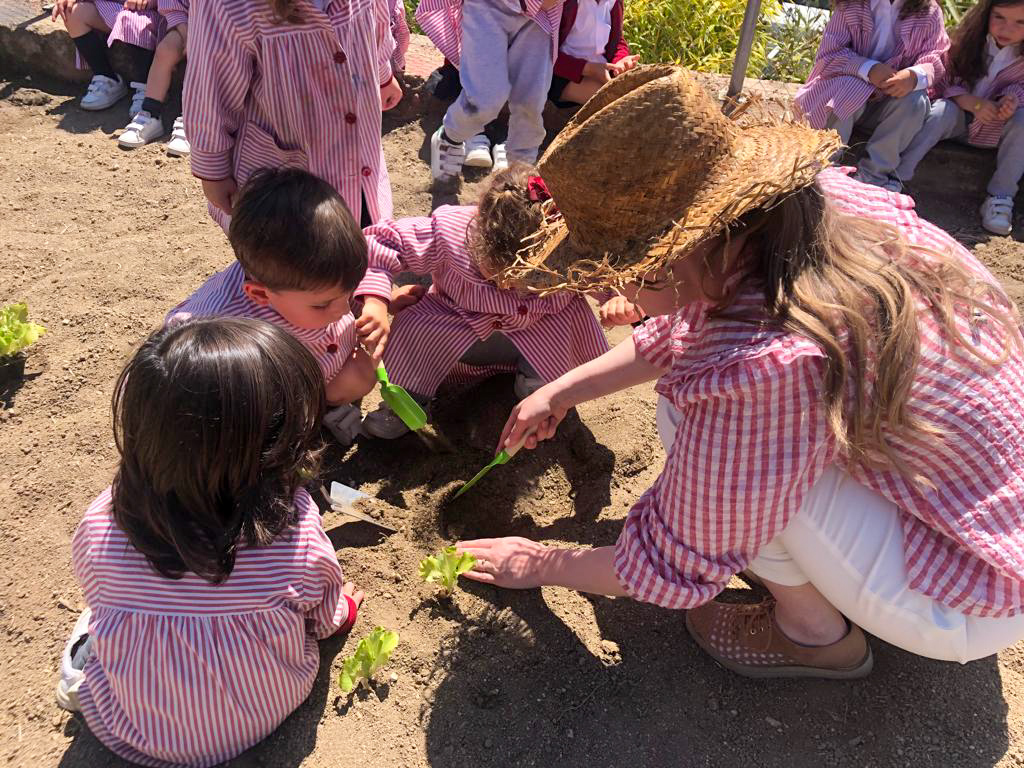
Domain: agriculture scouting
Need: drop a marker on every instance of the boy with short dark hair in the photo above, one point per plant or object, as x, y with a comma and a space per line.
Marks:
301, 263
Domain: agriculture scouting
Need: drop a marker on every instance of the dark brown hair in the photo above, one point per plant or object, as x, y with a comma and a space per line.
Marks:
909, 8
967, 51
292, 231
506, 215
217, 422
287, 11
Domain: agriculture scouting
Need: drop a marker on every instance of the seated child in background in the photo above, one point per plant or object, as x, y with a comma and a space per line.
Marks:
982, 95
188, 653
301, 260
400, 32
874, 65
505, 51
591, 50
466, 327
148, 124
96, 24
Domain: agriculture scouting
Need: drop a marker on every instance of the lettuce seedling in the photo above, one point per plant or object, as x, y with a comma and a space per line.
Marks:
16, 332
446, 567
372, 653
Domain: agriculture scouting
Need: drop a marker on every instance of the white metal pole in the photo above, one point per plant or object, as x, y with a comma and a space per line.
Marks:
739, 64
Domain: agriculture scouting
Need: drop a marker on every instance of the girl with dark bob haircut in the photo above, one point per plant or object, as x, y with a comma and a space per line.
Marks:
205, 566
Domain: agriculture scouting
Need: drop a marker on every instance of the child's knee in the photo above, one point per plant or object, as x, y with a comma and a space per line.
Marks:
917, 103
170, 49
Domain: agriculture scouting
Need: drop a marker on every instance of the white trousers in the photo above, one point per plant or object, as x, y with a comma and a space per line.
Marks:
847, 540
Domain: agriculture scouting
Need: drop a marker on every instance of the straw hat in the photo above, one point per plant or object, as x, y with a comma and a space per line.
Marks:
648, 168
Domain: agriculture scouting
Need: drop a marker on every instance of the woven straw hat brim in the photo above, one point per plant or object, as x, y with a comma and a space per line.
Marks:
768, 162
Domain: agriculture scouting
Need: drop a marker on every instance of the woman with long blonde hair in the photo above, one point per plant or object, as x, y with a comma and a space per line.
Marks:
841, 388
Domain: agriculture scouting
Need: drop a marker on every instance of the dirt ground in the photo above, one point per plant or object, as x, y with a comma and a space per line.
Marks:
102, 242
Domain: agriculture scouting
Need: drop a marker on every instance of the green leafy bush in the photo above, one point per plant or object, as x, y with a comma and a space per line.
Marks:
372, 653
16, 332
792, 44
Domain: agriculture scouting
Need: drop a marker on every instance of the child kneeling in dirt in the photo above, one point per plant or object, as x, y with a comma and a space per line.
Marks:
301, 262
467, 327
188, 654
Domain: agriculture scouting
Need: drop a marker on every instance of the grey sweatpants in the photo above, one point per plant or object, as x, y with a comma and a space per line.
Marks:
895, 122
506, 57
948, 121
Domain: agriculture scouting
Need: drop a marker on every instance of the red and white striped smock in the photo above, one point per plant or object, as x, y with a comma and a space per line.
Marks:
264, 93
1008, 80
753, 439
554, 334
174, 11
332, 345
441, 21
400, 32
184, 672
141, 28
833, 87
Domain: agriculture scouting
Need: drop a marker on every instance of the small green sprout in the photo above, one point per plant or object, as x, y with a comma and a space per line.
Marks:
372, 653
446, 567
16, 332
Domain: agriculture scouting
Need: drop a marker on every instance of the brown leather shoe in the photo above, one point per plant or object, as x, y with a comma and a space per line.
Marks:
746, 640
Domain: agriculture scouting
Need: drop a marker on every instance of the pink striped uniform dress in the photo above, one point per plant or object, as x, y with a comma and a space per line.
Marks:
441, 21
400, 32
184, 672
833, 87
175, 12
554, 334
753, 439
142, 28
1008, 80
264, 93
332, 345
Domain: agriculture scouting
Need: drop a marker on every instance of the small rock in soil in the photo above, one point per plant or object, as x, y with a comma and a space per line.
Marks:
773, 722
30, 97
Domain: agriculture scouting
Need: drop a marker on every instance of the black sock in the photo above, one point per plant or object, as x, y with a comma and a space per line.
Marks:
93, 48
142, 60
448, 139
155, 107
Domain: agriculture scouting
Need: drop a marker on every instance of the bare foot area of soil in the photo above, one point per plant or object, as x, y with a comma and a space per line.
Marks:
101, 243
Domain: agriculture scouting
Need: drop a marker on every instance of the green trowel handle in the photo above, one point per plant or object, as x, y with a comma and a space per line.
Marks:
382, 375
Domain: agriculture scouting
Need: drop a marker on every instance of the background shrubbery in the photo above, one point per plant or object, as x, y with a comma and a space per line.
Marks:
702, 34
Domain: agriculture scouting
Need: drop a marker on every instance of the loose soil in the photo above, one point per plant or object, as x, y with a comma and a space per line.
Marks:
102, 242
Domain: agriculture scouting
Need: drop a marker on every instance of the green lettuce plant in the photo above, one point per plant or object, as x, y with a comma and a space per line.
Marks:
372, 653
16, 332
445, 568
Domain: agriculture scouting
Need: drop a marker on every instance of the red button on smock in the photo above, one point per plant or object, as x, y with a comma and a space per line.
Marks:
340, 57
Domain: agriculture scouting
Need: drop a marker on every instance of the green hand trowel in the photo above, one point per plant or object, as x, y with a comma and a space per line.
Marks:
501, 458
401, 402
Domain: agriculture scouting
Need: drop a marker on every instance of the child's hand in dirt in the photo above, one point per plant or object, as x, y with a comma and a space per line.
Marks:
624, 65
354, 592
221, 193
598, 70
880, 73
986, 111
1007, 106
62, 9
390, 94
618, 311
373, 327
405, 296
900, 84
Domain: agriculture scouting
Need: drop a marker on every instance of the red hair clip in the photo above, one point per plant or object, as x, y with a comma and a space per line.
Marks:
537, 189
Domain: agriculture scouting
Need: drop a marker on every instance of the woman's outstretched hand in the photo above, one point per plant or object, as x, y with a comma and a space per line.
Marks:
536, 418
511, 562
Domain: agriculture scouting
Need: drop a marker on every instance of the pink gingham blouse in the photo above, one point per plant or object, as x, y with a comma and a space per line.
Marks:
834, 87
1008, 80
332, 345
185, 672
441, 21
554, 333
264, 93
753, 439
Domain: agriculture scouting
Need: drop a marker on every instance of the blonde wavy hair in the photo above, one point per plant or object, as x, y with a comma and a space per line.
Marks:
853, 286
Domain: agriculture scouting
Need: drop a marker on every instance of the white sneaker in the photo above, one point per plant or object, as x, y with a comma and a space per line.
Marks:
103, 92
997, 214
178, 146
72, 665
445, 159
138, 96
526, 385
141, 130
343, 423
500, 157
384, 423
478, 151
